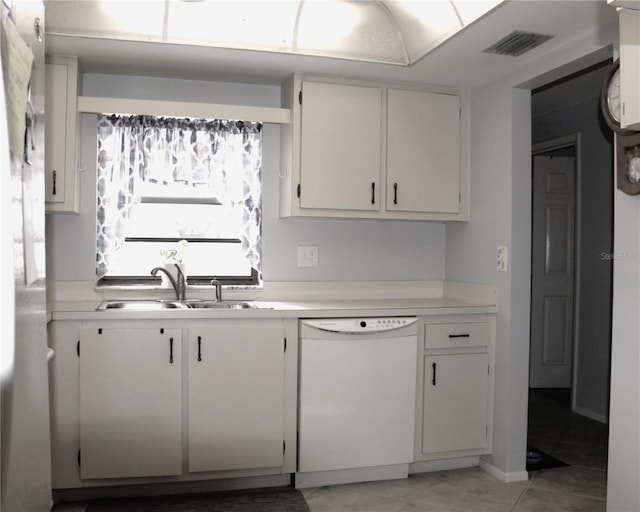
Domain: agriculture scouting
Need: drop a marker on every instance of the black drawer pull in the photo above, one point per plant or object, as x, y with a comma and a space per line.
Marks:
55, 173
171, 350
199, 348
433, 377
459, 335
395, 193
373, 193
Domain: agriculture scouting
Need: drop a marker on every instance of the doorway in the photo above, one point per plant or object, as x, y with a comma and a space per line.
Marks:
571, 288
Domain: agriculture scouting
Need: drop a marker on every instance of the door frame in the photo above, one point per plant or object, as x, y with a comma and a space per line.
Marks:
571, 140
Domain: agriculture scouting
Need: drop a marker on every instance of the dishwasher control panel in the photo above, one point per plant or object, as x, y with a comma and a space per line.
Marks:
360, 325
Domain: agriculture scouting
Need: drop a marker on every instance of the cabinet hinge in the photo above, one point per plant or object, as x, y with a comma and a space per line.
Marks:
300, 97
79, 460
298, 190
78, 348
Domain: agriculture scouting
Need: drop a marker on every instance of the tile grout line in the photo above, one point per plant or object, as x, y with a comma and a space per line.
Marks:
524, 491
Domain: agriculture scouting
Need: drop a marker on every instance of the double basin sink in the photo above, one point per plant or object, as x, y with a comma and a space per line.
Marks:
155, 305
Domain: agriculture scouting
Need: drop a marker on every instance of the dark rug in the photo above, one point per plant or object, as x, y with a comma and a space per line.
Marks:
540, 460
261, 500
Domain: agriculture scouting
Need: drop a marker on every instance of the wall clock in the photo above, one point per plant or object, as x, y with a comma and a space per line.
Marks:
610, 98
627, 141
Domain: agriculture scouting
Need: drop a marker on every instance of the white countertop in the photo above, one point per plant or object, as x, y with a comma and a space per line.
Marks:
86, 310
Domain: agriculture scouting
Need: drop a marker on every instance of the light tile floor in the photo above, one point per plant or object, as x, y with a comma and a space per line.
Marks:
572, 438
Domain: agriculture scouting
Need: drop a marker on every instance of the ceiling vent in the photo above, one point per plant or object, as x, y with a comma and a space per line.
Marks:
517, 43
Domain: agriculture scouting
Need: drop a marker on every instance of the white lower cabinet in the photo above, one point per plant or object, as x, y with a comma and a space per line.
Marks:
133, 401
130, 402
455, 387
236, 395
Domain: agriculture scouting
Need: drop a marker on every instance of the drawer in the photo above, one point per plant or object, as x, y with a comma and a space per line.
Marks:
473, 334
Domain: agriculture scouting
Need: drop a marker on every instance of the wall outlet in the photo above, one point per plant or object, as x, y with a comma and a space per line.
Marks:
307, 256
503, 258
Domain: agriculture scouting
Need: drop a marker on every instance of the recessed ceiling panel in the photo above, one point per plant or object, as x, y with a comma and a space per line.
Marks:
385, 31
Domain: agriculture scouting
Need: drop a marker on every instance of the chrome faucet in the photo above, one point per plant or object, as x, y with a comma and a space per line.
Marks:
180, 286
218, 286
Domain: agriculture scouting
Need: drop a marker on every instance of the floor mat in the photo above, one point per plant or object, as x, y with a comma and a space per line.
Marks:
540, 460
261, 500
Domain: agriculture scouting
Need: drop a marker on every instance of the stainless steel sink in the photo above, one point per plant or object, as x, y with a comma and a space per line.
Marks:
141, 305
155, 305
211, 304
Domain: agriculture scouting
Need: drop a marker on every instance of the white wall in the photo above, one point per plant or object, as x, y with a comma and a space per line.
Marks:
499, 174
348, 250
623, 491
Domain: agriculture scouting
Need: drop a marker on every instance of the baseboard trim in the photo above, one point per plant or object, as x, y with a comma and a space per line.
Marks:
591, 415
498, 474
430, 466
349, 476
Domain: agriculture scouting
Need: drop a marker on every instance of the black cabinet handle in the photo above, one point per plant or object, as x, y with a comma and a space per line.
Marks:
395, 193
53, 191
199, 348
171, 350
433, 378
467, 335
373, 193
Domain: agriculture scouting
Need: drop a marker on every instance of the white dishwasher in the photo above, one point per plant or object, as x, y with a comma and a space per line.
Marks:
357, 392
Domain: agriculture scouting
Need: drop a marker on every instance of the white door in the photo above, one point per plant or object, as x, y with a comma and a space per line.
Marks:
423, 152
456, 394
552, 248
130, 403
236, 396
340, 160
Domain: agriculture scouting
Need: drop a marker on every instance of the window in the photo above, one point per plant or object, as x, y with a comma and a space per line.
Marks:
164, 180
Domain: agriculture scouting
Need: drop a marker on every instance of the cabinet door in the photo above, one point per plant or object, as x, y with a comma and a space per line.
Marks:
130, 403
236, 396
423, 152
55, 131
455, 402
340, 161
61, 91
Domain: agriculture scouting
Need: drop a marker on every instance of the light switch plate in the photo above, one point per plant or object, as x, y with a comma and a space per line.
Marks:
503, 258
307, 256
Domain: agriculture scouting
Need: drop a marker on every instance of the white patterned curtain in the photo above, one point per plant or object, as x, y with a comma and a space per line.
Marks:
133, 150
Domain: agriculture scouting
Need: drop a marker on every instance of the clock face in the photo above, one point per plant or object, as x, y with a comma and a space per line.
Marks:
613, 96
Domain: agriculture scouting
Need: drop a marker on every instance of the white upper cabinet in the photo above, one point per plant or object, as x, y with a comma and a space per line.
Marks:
371, 151
630, 69
423, 152
340, 146
61, 92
